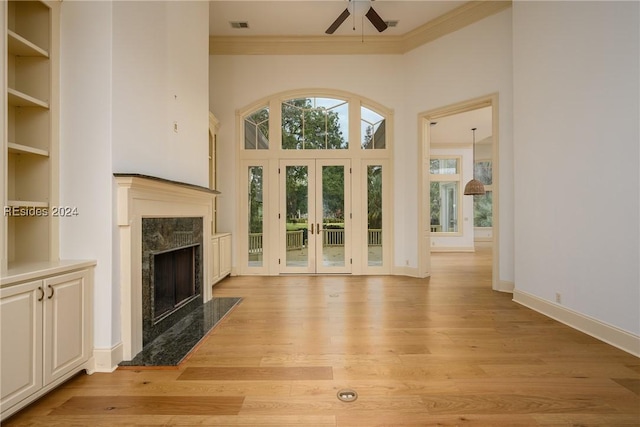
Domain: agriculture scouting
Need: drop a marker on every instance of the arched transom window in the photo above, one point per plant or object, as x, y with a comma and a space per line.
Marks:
316, 123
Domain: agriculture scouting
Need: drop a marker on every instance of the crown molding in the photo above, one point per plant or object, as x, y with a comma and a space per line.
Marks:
448, 23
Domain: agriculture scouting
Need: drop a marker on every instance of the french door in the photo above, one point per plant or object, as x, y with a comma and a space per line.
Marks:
315, 216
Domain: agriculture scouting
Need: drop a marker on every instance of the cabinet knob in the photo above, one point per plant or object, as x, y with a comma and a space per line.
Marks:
52, 292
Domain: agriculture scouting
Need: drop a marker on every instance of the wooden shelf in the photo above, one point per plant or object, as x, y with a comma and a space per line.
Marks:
26, 204
30, 141
20, 46
19, 99
25, 149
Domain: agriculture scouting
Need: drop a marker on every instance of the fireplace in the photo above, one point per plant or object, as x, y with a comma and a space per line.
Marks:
171, 272
174, 280
145, 199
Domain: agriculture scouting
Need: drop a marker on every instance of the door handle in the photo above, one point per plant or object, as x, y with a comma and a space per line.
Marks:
52, 292
311, 229
317, 228
41, 293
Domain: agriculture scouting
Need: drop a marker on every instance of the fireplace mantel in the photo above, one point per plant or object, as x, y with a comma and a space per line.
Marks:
141, 196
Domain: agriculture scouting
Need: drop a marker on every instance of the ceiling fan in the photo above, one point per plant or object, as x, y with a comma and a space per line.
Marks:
371, 15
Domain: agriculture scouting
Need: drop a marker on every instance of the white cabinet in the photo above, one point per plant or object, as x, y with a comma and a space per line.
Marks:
66, 332
46, 335
214, 262
225, 255
220, 260
21, 309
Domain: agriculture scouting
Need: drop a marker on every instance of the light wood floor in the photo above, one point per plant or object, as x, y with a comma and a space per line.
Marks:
442, 351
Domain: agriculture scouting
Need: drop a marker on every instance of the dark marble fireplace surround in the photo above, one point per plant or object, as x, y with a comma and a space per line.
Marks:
160, 235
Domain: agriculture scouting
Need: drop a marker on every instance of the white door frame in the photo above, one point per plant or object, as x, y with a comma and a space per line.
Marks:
424, 120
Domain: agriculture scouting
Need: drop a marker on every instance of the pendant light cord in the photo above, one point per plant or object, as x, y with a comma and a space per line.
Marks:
473, 161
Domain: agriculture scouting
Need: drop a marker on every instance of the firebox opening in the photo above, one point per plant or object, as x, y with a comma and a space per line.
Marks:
174, 280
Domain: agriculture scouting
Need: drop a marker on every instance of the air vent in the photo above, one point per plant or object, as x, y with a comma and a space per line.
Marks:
239, 24
391, 23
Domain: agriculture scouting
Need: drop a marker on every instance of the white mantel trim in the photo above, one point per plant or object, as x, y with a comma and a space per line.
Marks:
140, 197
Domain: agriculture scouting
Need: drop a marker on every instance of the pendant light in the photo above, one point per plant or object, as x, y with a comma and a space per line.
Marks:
474, 187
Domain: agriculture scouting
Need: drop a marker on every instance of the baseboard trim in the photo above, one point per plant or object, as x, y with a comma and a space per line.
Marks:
609, 334
505, 286
406, 271
107, 359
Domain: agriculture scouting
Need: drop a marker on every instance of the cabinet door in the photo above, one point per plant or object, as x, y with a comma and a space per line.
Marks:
225, 255
215, 260
66, 323
21, 349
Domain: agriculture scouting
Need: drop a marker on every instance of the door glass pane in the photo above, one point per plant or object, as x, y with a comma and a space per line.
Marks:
255, 216
374, 214
333, 216
444, 206
297, 191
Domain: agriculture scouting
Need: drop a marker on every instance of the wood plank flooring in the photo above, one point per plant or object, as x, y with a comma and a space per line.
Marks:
443, 351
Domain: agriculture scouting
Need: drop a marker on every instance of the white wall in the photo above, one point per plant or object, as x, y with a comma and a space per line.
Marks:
160, 75
85, 152
472, 62
475, 61
122, 64
576, 109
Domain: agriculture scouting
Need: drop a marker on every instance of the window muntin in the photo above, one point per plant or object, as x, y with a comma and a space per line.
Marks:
444, 194
256, 130
372, 129
315, 123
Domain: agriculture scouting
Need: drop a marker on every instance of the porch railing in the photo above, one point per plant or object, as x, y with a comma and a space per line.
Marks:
255, 243
296, 239
375, 237
333, 237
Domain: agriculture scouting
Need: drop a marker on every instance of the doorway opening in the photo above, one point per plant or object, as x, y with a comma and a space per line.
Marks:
452, 222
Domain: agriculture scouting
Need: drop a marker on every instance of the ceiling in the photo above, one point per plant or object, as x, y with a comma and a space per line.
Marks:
313, 17
456, 128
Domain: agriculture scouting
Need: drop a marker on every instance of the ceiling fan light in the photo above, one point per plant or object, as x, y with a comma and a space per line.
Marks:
474, 188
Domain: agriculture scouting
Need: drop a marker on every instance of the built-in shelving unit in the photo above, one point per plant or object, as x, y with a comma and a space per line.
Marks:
45, 304
31, 141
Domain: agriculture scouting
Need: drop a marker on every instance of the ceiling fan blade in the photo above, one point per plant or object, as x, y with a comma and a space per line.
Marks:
375, 19
344, 15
